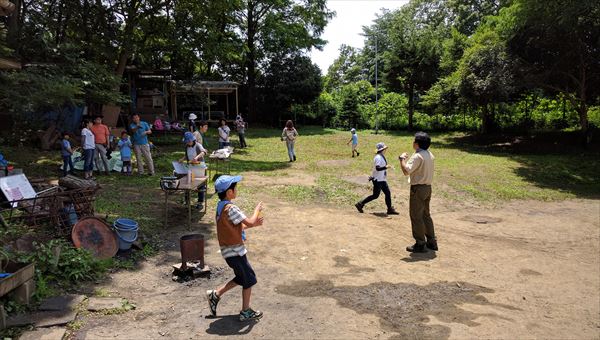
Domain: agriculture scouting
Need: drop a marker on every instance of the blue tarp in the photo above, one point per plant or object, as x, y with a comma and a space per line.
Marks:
68, 119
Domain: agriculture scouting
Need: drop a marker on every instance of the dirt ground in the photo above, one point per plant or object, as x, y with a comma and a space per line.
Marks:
521, 270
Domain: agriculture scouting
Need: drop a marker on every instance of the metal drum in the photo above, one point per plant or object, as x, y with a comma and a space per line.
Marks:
192, 249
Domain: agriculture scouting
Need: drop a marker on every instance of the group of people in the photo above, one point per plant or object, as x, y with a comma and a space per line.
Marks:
419, 169
165, 125
232, 221
97, 144
225, 132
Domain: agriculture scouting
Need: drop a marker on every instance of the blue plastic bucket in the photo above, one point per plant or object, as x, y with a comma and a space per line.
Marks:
127, 232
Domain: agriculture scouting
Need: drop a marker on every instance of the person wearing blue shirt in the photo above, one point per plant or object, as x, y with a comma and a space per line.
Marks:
125, 150
66, 152
354, 141
140, 131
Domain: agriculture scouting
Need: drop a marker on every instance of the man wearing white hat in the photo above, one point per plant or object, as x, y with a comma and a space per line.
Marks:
379, 177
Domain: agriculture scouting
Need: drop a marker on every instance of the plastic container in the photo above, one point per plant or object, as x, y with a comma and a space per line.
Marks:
127, 232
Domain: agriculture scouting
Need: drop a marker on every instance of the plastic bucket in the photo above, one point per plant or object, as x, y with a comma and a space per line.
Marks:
127, 232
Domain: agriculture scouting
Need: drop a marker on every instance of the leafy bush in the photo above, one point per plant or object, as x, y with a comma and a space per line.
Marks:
58, 260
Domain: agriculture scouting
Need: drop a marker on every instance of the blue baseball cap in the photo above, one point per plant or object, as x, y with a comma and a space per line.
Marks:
188, 137
225, 181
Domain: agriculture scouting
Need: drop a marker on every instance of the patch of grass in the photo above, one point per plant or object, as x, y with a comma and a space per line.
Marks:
101, 292
295, 193
75, 325
126, 306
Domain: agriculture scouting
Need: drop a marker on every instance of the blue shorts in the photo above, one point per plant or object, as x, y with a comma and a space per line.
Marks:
244, 274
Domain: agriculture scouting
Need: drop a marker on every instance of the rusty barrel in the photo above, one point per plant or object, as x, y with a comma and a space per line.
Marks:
192, 249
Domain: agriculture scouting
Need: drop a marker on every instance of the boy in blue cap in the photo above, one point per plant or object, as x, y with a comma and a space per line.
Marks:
231, 222
354, 141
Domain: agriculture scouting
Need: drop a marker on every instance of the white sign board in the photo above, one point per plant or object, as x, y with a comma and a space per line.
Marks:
16, 187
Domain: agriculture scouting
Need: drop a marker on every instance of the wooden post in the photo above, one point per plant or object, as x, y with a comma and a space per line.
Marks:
227, 103
174, 101
208, 102
237, 112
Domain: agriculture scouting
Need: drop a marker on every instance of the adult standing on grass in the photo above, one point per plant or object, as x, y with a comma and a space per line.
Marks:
379, 178
224, 132
140, 131
240, 126
419, 168
202, 128
289, 135
88, 144
101, 137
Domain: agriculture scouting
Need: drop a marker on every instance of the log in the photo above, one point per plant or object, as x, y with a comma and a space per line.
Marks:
72, 182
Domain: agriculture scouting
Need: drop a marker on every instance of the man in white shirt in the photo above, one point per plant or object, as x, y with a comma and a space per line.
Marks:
379, 177
88, 145
419, 168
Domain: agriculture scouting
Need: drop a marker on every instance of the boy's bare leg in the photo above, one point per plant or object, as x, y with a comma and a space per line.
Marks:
228, 286
246, 293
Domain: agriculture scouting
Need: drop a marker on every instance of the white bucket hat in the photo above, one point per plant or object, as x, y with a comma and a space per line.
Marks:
381, 146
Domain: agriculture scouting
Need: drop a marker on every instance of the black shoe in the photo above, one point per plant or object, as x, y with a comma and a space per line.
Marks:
392, 211
432, 244
359, 207
417, 248
357, 154
294, 158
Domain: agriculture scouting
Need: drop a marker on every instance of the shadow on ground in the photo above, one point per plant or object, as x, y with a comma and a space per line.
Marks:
552, 161
419, 257
405, 308
229, 325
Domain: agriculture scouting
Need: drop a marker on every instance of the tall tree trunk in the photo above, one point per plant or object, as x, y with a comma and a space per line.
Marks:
127, 46
251, 63
122, 62
411, 106
582, 109
585, 126
486, 119
14, 25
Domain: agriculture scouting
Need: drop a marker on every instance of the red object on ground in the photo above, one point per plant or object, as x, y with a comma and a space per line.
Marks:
95, 235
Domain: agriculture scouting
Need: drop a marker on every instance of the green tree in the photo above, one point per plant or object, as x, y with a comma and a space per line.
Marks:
557, 46
412, 63
486, 75
290, 80
345, 69
272, 27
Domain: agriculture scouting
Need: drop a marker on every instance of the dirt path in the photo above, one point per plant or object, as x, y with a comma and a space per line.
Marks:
527, 269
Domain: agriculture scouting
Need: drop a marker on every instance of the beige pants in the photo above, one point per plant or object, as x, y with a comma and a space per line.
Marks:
145, 151
100, 158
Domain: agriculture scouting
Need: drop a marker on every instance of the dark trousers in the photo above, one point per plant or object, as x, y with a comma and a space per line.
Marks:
88, 159
67, 165
201, 193
420, 219
378, 187
126, 167
242, 140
